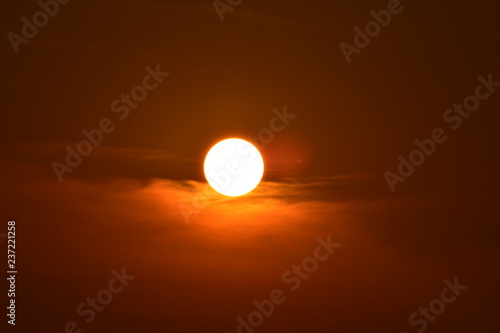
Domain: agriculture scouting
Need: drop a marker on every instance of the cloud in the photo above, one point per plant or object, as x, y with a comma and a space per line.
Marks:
234, 251
104, 161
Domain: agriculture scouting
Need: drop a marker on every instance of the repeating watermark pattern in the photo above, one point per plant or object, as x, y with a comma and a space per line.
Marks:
372, 29
265, 136
436, 307
454, 117
120, 106
87, 310
222, 7
30, 28
11, 272
293, 278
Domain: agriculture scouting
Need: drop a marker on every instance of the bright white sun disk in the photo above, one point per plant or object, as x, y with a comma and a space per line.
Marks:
234, 167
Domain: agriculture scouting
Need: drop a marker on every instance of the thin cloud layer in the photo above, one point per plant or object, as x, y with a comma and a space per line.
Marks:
235, 250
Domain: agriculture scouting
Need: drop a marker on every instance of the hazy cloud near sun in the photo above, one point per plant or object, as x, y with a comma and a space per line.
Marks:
352, 203
105, 221
103, 161
164, 177
141, 163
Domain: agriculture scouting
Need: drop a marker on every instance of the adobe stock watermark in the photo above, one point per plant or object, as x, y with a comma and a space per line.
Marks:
436, 307
293, 278
454, 117
372, 29
121, 106
222, 7
223, 177
88, 310
30, 28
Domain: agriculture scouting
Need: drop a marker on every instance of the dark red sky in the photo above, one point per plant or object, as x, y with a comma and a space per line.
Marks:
324, 172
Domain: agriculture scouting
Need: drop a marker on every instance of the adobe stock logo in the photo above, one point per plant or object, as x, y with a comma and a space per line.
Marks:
221, 7
40, 19
89, 309
293, 277
121, 106
436, 307
454, 117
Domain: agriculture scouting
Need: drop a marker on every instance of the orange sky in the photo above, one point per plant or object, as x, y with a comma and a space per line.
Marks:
122, 205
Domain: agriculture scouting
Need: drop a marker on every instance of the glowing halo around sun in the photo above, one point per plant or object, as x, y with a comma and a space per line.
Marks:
234, 167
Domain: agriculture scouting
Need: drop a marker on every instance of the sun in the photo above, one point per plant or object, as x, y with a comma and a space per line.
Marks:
234, 167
